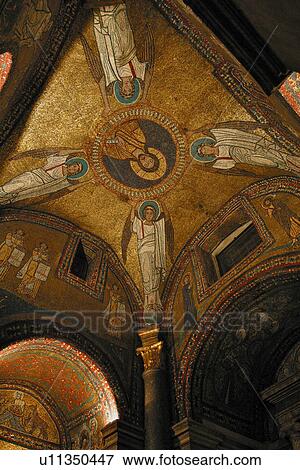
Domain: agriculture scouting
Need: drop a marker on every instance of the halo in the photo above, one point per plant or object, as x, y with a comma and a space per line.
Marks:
85, 167
155, 206
128, 101
151, 175
195, 146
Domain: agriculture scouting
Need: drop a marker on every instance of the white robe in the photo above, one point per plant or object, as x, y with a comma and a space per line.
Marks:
28, 183
151, 246
236, 146
116, 44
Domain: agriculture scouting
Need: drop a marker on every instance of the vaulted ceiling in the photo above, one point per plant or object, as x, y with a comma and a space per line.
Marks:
186, 93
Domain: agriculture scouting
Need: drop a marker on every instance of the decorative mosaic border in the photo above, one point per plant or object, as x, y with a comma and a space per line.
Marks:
29, 442
205, 289
94, 287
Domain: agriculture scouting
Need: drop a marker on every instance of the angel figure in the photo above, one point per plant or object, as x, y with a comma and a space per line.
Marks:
154, 231
228, 144
116, 68
62, 169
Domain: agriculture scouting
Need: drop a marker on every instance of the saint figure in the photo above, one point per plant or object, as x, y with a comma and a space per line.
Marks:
13, 416
190, 309
287, 218
11, 252
34, 272
115, 312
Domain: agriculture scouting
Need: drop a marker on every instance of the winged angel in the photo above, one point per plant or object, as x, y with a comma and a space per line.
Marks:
225, 146
154, 232
118, 69
63, 169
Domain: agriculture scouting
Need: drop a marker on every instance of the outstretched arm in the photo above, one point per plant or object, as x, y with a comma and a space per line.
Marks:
133, 210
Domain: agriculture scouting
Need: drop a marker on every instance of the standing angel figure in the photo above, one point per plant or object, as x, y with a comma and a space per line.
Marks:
63, 168
227, 144
118, 68
154, 231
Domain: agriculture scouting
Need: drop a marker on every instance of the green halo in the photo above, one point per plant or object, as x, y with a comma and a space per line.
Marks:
153, 204
85, 167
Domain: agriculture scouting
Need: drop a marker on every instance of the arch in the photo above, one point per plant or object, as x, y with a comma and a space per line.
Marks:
34, 323
75, 233
66, 378
14, 331
270, 275
60, 423
281, 184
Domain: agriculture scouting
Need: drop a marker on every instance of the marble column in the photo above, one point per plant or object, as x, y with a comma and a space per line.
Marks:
157, 425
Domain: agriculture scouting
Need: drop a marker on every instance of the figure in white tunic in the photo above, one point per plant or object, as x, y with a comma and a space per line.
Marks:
119, 71
226, 147
61, 169
154, 232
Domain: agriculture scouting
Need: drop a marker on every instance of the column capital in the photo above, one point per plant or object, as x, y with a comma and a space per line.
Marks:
151, 348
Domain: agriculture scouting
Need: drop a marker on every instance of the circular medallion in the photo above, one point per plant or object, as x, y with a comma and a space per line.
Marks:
140, 153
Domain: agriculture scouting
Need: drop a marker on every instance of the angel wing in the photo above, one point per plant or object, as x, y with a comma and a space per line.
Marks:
241, 125
247, 126
170, 238
47, 152
148, 51
126, 236
169, 233
93, 60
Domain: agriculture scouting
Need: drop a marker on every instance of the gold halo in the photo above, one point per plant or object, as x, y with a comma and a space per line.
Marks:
147, 175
